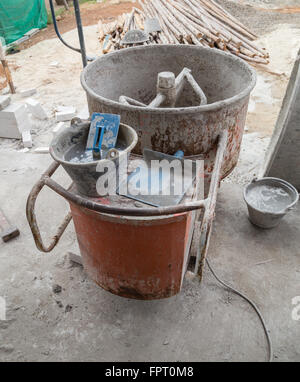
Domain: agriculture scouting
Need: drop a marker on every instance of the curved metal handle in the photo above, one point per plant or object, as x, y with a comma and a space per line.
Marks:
30, 213
90, 205
133, 211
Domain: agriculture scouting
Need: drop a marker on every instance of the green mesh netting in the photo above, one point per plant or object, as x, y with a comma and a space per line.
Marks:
19, 16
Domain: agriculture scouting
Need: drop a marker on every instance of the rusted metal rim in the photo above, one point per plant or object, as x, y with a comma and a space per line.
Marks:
103, 208
86, 123
175, 110
208, 205
46, 180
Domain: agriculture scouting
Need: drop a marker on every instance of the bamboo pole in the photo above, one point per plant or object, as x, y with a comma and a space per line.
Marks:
101, 30
222, 19
193, 22
198, 22
223, 10
163, 22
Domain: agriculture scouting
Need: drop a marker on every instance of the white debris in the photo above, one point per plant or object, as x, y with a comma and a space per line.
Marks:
19, 41
54, 64
32, 32
4, 101
84, 113
13, 121
5, 91
27, 92
41, 150
57, 128
25, 150
26, 138
36, 109
65, 113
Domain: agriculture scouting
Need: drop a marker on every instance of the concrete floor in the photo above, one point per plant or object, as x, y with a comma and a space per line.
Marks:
85, 323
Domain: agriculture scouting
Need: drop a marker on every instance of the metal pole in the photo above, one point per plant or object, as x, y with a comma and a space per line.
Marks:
57, 31
80, 32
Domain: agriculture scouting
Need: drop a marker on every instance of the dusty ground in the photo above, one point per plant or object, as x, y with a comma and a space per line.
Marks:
261, 16
90, 15
85, 323
270, 4
204, 322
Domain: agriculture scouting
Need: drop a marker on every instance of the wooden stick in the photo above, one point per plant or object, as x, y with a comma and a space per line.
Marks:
210, 8
163, 22
172, 22
7, 70
248, 44
138, 21
232, 17
7, 231
108, 47
101, 30
198, 22
194, 22
223, 20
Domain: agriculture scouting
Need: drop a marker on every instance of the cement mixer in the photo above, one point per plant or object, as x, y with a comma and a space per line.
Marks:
176, 97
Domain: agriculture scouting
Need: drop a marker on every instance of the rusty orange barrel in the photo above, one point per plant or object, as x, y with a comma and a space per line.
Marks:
142, 258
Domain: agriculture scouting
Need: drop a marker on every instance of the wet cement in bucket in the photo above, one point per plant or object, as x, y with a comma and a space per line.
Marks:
79, 154
269, 198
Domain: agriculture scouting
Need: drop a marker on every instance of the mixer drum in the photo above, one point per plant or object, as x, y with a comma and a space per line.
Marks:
225, 79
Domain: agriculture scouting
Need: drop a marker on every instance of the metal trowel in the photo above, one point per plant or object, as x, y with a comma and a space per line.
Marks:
103, 134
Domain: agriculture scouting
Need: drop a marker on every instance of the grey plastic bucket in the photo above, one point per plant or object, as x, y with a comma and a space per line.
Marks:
260, 216
85, 175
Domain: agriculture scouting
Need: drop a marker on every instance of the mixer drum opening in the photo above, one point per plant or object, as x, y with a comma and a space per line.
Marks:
225, 79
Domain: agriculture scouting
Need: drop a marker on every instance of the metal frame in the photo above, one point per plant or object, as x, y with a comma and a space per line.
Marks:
169, 91
203, 227
79, 29
30, 213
